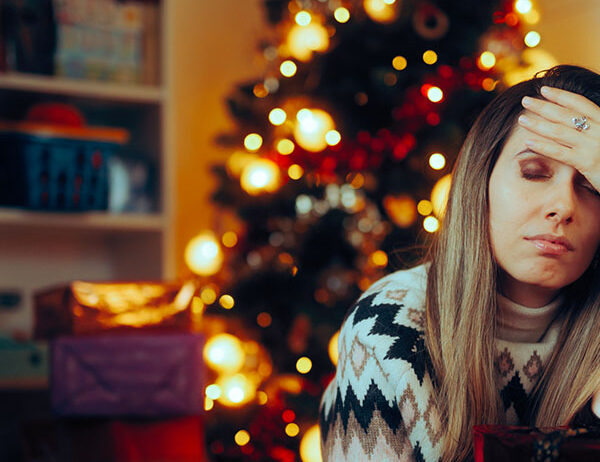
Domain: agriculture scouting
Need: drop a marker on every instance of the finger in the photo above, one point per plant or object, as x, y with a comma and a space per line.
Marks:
574, 101
551, 149
549, 110
552, 130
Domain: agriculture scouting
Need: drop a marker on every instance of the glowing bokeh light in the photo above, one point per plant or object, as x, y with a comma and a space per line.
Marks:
532, 39
203, 254
253, 142
439, 195
303, 18
312, 127
399, 63
288, 68
430, 57
431, 224
341, 14
523, 6
435, 94
310, 446
486, 60
242, 438
437, 161
333, 348
224, 353
304, 365
259, 176
277, 116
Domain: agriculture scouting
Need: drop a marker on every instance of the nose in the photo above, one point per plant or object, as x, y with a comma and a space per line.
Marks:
562, 202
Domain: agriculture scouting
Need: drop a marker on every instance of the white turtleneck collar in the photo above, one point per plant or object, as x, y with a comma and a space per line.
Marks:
518, 323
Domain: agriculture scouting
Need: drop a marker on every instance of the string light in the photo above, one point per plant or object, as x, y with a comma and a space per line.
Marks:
203, 254
229, 239
435, 94
437, 161
262, 397
285, 146
304, 365
486, 60
532, 39
333, 137
333, 348
261, 175
431, 224
242, 438
312, 127
288, 68
213, 391
310, 446
224, 353
523, 6
292, 429
253, 142
341, 14
399, 63
303, 18
226, 301
208, 295
430, 57
380, 11
277, 116
237, 390
439, 195
302, 41
295, 171
424, 207
379, 258
263, 319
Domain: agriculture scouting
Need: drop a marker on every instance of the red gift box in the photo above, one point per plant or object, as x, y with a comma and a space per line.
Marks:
114, 375
101, 440
495, 443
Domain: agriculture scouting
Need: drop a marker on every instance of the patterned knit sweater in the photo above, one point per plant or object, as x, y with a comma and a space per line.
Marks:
380, 407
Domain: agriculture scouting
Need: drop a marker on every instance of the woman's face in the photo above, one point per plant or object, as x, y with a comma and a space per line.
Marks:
531, 195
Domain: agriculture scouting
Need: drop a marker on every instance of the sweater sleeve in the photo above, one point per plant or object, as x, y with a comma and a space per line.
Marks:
360, 418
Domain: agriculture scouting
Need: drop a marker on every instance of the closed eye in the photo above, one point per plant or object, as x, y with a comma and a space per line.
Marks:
532, 176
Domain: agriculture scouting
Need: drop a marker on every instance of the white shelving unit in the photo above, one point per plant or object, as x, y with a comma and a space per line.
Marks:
42, 249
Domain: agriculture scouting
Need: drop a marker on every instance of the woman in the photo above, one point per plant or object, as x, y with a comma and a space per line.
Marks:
500, 322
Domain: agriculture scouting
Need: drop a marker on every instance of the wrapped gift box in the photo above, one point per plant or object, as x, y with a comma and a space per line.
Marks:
89, 308
495, 443
100, 440
127, 375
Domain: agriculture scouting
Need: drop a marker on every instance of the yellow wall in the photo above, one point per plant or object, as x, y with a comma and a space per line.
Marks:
214, 47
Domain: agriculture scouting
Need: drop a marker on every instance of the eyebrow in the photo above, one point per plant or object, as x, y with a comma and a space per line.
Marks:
527, 150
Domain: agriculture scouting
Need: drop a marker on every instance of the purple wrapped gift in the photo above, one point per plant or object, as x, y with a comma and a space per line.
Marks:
128, 375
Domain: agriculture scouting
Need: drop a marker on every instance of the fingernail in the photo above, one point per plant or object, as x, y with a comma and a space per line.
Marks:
526, 101
545, 90
524, 119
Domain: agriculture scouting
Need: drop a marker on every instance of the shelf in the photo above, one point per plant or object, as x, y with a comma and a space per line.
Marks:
83, 88
90, 221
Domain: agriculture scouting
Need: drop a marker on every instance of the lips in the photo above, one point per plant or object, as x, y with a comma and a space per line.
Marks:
552, 242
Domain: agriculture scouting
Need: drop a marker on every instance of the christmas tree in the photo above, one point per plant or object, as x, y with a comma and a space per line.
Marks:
338, 174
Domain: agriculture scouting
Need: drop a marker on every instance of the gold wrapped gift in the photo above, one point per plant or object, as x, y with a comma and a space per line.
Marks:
92, 307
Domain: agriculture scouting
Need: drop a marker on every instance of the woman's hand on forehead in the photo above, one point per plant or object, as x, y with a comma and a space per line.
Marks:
556, 120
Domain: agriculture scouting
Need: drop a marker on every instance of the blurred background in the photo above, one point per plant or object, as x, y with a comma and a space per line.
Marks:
213, 184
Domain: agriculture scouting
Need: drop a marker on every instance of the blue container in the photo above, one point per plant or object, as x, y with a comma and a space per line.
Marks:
56, 168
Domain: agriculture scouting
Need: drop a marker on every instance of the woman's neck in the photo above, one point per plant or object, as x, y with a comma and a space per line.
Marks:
527, 295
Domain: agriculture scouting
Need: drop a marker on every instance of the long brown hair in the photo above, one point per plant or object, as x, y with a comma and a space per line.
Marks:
462, 285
